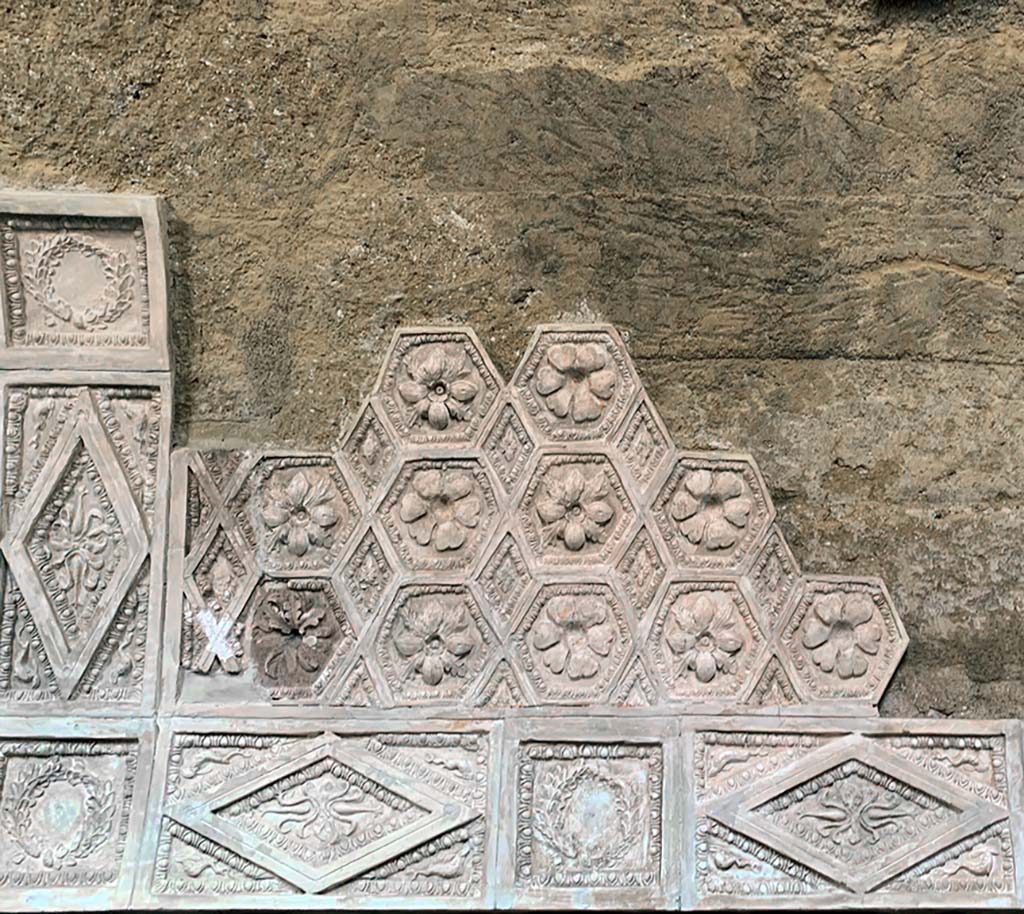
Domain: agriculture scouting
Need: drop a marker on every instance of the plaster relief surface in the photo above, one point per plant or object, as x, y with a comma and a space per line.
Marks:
882, 817
259, 812
85, 470
589, 815
75, 281
593, 560
505, 647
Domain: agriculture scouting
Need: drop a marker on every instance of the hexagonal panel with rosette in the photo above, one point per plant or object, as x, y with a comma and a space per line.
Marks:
576, 382
575, 509
712, 510
705, 640
437, 385
844, 638
432, 643
440, 513
572, 641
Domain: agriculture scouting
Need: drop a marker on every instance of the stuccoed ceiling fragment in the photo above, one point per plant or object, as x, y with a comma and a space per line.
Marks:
507, 648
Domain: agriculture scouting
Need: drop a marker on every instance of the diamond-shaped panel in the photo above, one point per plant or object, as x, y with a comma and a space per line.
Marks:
856, 813
644, 442
369, 448
76, 546
641, 570
773, 575
220, 572
367, 574
218, 581
508, 446
505, 578
76, 543
322, 813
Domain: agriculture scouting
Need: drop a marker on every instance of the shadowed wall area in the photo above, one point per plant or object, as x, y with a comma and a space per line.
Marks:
806, 216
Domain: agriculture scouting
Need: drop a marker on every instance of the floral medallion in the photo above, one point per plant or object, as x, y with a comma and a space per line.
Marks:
439, 513
437, 386
433, 643
297, 513
844, 638
705, 640
298, 637
575, 509
712, 512
576, 384
573, 640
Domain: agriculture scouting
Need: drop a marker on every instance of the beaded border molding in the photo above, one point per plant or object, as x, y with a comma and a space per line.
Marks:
506, 647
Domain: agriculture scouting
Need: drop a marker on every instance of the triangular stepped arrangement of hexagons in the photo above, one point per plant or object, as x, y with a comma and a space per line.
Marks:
501, 546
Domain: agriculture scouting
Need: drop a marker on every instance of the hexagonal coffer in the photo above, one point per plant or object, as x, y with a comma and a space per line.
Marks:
298, 636
437, 386
704, 640
297, 513
576, 383
439, 513
712, 511
844, 638
432, 643
573, 640
575, 510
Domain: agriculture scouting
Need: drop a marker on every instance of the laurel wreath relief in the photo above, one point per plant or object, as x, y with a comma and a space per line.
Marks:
44, 258
89, 832
562, 823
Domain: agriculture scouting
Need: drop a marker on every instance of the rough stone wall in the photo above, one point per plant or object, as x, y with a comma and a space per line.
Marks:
808, 215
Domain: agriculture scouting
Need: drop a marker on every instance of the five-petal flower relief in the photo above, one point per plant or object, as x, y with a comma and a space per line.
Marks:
712, 508
576, 379
573, 634
703, 630
292, 635
77, 543
575, 508
440, 507
301, 513
842, 632
436, 636
441, 384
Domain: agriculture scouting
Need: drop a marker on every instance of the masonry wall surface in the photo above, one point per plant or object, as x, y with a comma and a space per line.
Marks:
807, 217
